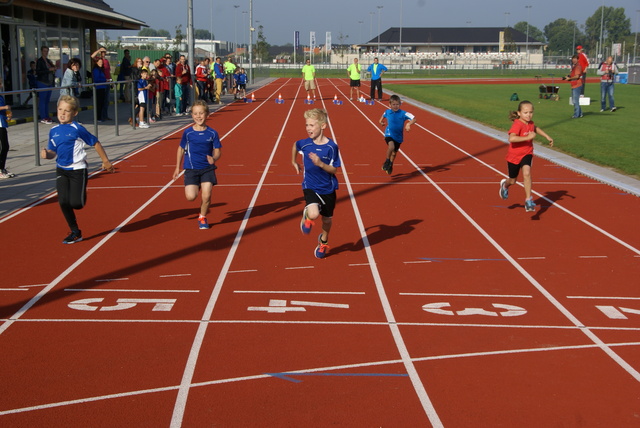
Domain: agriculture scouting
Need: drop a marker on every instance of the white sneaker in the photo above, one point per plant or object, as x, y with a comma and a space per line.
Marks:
143, 125
6, 174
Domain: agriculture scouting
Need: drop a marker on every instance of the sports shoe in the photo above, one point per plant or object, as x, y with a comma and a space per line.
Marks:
390, 168
6, 174
613, 109
47, 121
504, 191
306, 224
322, 249
74, 236
529, 205
203, 223
143, 125
385, 165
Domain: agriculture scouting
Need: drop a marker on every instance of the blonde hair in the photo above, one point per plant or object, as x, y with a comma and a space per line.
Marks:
202, 104
71, 100
317, 114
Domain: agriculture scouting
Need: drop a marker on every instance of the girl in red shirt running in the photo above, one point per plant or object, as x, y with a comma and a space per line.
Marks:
520, 153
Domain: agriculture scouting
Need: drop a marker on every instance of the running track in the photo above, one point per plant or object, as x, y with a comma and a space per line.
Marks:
439, 304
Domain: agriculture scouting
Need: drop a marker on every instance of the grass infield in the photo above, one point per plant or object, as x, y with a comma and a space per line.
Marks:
607, 139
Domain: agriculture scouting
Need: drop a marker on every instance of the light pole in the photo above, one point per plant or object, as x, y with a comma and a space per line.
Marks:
371, 25
360, 22
235, 29
635, 44
379, 12
400, 27
506, 19
527, 43
244, 34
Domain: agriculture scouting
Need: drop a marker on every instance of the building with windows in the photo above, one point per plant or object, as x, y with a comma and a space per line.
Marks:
67, 27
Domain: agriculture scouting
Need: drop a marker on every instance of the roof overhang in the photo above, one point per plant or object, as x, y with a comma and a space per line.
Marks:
93, 17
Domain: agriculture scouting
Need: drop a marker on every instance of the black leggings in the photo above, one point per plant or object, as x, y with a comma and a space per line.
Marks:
4, 147
72, 193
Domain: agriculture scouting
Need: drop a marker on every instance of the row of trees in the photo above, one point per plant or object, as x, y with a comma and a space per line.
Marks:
562, 35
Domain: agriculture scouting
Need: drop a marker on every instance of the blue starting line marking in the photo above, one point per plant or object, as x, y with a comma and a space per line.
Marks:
288, 376
441, 259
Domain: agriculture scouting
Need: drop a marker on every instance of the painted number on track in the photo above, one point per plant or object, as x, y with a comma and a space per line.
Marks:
121, 304
442, 308
617, 313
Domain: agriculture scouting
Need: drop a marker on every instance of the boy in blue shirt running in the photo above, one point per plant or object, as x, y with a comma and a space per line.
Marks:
321, 160
396, 120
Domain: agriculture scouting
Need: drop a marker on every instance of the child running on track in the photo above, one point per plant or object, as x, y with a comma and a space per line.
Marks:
66, 141
396, 121
200, 146
520, 153
321, 160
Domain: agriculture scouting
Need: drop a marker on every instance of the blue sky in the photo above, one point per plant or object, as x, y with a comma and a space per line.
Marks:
357, 19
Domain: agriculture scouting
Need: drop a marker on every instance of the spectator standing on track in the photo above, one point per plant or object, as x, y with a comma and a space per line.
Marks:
520, 153
396, 121
575, 78
309, 79
143, 86
70, 77
607, 70
125, 74
45, 70
218, 74
66, 141
32, 78
183, 78
229, 71
583, 60
5, 115
376, 70
241, 83
102, 91
200, 148
321, 160
353, 73
202, 72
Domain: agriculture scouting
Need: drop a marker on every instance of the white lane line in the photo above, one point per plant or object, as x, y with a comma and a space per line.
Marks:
416, 381
320, 304
243, 271
13, 289
298, 292
593, 257
531, 258
523, 296
604, 297
175, 275
417, 262
358, 264
187, 376
299, 267
125, 290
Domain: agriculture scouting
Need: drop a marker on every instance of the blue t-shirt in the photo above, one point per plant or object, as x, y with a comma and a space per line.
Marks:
197, 146
315, 178
68, 141
3, 114
376, 70
395, 124
142, 95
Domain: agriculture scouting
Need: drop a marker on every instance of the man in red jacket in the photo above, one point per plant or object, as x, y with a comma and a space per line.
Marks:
584, 63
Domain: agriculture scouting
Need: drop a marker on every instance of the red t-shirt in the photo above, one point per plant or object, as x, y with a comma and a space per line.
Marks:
185, 79
519, 150
583, 61
576, 71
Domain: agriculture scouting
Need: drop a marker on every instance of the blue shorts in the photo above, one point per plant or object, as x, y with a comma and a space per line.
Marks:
195, 177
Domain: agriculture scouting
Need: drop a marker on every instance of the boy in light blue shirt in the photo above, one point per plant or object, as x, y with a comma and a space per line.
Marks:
396, 121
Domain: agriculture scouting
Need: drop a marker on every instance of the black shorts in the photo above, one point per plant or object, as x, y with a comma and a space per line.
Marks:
199, 176
514, 169
396, 145
327, 203
242, 86
355, 83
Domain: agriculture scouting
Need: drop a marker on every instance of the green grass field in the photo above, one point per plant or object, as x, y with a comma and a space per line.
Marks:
607, 139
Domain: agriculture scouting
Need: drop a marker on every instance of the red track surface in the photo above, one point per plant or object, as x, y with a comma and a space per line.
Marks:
439, 303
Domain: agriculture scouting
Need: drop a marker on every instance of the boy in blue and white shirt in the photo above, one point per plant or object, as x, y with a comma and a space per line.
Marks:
397, 121
321, 160
66, 142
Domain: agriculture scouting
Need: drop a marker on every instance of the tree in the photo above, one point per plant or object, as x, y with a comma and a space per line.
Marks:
560, 36
616, 26
261, 49
534, 32
179, 37
147, 32
203, 34
164, 33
